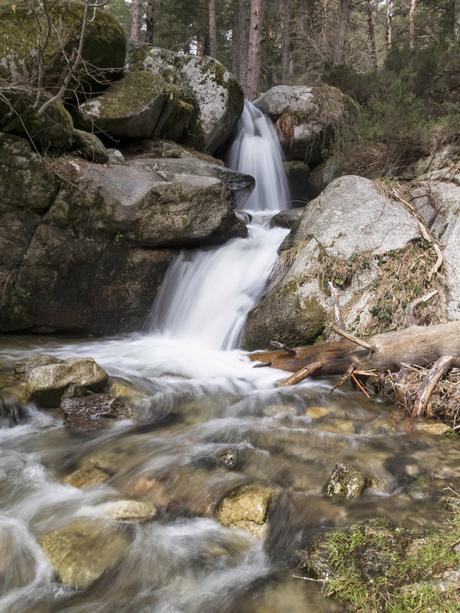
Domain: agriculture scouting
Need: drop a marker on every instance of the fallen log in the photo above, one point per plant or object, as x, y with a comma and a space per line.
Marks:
417, 345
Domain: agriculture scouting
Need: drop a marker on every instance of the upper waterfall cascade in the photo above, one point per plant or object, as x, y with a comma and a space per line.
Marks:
208, 294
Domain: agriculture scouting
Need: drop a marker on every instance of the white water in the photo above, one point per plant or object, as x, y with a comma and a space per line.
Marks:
207, 295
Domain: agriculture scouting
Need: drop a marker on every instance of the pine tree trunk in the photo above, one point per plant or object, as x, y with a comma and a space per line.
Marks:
457, 19
286, 41
212, 29
242, 41
412, 8
389, 27
150, 22
371, 34
255, 36
342, 32
135, 20
324, 15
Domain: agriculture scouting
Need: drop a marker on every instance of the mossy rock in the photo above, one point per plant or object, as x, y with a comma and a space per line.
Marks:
26, 182
104, 49
20, 115
130, 108
89, 147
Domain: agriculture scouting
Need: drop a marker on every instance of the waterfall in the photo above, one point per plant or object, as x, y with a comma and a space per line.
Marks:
207, 294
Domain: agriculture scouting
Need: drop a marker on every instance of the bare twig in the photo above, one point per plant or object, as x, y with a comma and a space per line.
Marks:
409, 317
436, 373
353, 339
335, 299
302, 374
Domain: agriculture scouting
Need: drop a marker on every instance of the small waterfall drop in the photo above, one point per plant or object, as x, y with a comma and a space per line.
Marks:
207, 295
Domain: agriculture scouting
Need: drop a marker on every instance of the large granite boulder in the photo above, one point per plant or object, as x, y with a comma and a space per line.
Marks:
206, 84
90, 250
352, 235
23, 26
304, 117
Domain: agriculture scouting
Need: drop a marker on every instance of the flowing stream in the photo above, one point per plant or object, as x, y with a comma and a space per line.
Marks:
214, 423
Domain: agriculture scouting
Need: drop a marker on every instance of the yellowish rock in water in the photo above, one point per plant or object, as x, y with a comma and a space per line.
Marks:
272, 410
346, 482
83, 550
129, 510
435, 428
247, 508
317, 412
86, 476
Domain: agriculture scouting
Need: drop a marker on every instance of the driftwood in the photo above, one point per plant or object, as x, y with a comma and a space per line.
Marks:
418, 345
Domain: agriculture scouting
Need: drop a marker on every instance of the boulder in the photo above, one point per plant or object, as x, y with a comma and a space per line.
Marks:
247, 509
94, 258
129, 108
345, 482
82, 551
298, 177
104, 51
46, 384
348, 236
438, 203
88, 146
18, 115
304, 117
211, 89
289, 219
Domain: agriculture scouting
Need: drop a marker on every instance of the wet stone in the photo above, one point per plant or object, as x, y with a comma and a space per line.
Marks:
128, 510
228, 458
86, 476
83, 550
434, 428
94, 411
346, 482
247, 508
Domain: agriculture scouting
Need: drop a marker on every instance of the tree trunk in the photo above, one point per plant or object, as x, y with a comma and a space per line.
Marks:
389, 27
417, 345
150, 22
342, 32
371, 34
212, 28
457, 19
324, 14
135, 20
255, 36
244, 16
286, 41
412, 8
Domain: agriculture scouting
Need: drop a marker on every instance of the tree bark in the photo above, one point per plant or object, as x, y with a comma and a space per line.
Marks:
241, 41
412, 9
342, 32
212, 28
371, 34
135, 20
286, 41
150, 22
255, 37
324, 15
417, 345
389, 27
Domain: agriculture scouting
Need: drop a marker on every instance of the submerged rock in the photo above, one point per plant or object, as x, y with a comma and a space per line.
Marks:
247, 509
94, 411
87, 476
83, 551
128, 510
346, 482
304, 117
46, 384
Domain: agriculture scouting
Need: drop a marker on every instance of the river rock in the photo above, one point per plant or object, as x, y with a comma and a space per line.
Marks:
289, 219
247, 509
103, 53
213, 92
87, 476
94, 411
304, 117
46, 384
83, 551
128, 510
344, 236
346, 482
130, 108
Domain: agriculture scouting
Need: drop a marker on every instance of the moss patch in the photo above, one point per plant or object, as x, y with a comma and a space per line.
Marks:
377, 567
